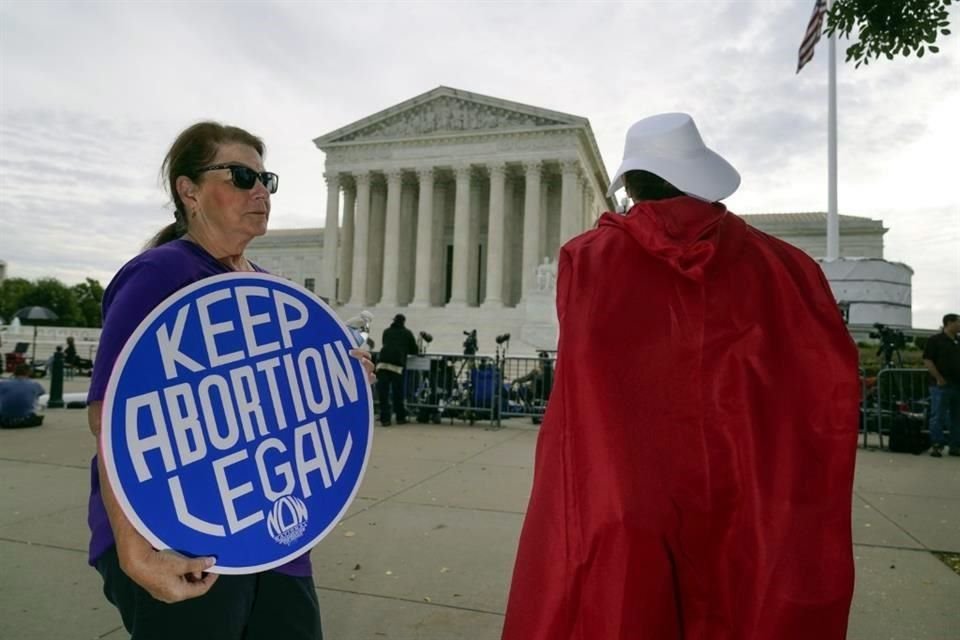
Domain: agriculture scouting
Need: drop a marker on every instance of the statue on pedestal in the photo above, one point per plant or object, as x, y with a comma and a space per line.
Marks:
547, 275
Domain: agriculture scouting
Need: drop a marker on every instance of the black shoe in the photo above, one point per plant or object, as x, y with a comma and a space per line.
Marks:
935, 452
955, 452
384, 423
403, 421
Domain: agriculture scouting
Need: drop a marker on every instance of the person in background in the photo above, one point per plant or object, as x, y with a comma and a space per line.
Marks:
72, 359
221, 196
941, 356
535, 385
41, 371
686, 483
398, 343
18, 400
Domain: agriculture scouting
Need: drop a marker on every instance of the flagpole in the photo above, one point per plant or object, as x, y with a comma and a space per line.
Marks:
833, 219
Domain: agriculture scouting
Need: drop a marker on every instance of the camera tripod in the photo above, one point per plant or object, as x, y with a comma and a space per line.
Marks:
499, 362
890, 356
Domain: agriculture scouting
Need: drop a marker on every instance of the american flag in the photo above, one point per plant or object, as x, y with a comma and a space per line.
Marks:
812, 36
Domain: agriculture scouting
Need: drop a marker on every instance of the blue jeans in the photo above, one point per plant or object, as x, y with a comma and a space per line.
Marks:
945, 414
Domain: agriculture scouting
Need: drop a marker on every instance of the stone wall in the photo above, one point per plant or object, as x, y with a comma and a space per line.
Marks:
295, 254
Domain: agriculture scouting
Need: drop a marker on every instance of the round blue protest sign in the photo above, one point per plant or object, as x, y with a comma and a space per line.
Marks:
236, 424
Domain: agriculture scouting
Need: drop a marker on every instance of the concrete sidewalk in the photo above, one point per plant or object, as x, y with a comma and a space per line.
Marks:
427, 550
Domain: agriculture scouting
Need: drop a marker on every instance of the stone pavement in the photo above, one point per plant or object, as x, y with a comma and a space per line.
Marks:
427, 549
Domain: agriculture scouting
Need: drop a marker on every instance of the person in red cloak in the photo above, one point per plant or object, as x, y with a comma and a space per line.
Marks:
694, 470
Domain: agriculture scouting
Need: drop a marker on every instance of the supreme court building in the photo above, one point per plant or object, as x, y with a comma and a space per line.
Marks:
453, 199
451, 208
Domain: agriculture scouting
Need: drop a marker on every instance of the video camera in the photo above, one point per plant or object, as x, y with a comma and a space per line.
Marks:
891, 342
887, 336
470, 344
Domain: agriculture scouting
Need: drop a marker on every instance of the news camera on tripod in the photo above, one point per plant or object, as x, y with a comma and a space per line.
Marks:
423, 339
448, 386
500, 356
891, 342
470, 343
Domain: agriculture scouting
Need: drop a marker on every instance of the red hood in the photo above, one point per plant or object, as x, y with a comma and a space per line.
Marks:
686, 233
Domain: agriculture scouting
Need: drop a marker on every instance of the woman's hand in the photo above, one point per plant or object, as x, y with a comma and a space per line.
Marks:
368, 366
166, 575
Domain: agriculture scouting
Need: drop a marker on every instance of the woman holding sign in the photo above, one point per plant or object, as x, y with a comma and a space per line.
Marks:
221, 195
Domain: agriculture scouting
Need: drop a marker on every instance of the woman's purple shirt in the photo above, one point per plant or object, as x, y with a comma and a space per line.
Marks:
141, 285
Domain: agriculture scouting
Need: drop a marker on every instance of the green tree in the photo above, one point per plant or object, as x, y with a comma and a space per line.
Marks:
889, 27
56, 296
12, 293
76, 306
89, 296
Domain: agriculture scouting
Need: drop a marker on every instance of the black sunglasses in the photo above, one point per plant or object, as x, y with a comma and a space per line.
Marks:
245, 177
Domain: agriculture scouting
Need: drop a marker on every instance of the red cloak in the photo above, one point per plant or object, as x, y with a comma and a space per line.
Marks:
694, 470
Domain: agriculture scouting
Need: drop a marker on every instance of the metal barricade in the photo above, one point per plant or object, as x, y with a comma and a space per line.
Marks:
474, 388
455, 387
897, 391
863, 405
487, 388
528, 382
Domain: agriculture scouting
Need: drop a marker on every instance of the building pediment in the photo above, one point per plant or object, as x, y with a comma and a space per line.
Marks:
446, 111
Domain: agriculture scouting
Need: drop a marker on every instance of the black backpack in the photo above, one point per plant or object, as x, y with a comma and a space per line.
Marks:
907, 434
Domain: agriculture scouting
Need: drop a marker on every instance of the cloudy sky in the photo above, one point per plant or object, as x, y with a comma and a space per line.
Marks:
92, 94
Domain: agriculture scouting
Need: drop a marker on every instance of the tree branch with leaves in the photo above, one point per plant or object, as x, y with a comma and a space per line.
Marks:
889, 28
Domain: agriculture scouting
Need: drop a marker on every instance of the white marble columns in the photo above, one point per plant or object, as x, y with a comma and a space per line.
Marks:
533, 239
345, 256
495, 237
412, 224
461, 236
424, 246
361, 238
391, 247
330, 238
570, 201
